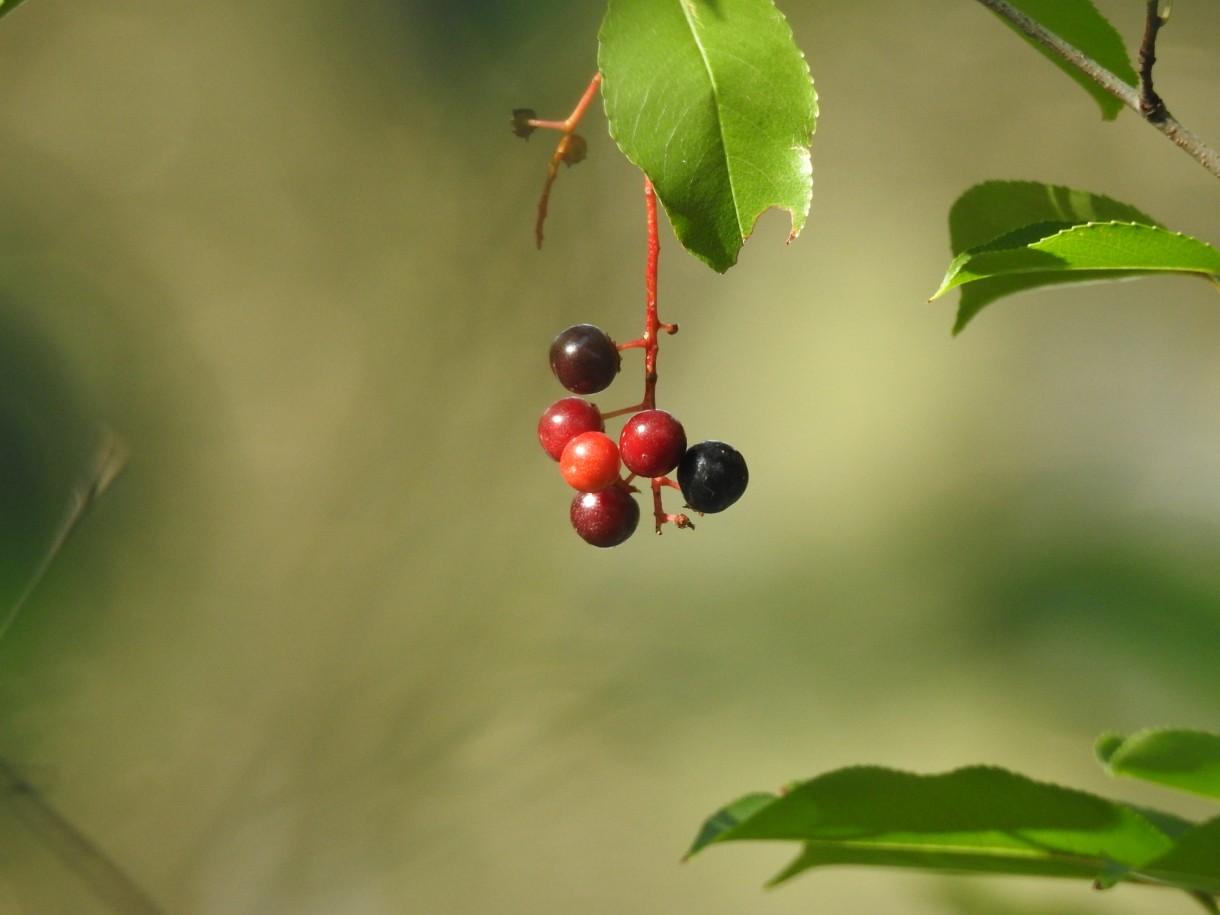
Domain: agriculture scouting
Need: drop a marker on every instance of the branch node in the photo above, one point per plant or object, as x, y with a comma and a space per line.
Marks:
1151, 106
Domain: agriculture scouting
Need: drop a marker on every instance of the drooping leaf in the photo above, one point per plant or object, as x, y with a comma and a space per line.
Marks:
1052, 253
1182, 759
978, 819
1114, 247
994, 208
713, 101
1013, 236
1079, 24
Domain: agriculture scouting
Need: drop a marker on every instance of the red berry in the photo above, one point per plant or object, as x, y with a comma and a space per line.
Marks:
590, 462
652, 443
605, 518
584, 359
564, 420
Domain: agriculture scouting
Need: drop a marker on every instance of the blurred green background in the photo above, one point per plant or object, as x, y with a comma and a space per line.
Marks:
329, 644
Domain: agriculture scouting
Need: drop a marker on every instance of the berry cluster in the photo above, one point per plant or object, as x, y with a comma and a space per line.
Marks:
652, 444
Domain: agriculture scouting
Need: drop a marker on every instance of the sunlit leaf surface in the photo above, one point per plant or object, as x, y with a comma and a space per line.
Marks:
713, 101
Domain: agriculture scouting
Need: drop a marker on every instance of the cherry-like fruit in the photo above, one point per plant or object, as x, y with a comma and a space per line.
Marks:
590, 462
605, 518
584, 359
651, 443
564, 420
712, 476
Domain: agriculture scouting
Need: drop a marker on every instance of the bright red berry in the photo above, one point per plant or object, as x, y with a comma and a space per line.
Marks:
605, 518
564, 420
590, 462
584, 359
651, 444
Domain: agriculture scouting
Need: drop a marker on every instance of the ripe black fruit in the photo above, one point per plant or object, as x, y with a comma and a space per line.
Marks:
712, 476
584, 359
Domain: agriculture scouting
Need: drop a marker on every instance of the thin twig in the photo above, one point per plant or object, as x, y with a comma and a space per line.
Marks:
571, 149
1168, 125
1151, 105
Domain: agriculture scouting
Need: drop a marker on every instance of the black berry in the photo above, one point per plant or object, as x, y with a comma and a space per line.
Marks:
584, 359
712, 476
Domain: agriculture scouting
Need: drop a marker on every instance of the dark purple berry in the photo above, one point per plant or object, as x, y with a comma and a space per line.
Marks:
652, 442
584, 359
605, 518
712, 476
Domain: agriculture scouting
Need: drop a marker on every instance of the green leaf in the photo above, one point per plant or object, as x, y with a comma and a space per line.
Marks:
1113, 247
1182, 759
1080, 24
55, 463
1049, 253
728, 817
713, 101
994, 208
1193, 863
978, 819
1010, 237
7, 6
991, 209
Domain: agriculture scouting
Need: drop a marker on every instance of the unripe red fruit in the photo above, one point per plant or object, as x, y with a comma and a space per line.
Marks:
605, 518
590, 462
564, 420
651, 444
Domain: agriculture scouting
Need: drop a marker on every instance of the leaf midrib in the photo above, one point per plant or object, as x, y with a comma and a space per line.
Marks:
724, 143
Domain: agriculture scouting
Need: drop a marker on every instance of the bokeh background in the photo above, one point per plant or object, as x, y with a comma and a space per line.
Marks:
328, 644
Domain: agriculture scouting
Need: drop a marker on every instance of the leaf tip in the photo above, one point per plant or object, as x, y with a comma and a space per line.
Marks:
1106, 746
963, 318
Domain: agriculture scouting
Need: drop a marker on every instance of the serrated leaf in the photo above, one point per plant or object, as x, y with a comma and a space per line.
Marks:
1108, 246
1012, 236
1050, 253
994, 208
1182, 759
713, 101
979, 819
1080, 24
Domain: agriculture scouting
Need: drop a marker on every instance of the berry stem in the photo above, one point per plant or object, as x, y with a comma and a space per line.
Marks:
568, 128
650, 342
662, 517
652, 322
